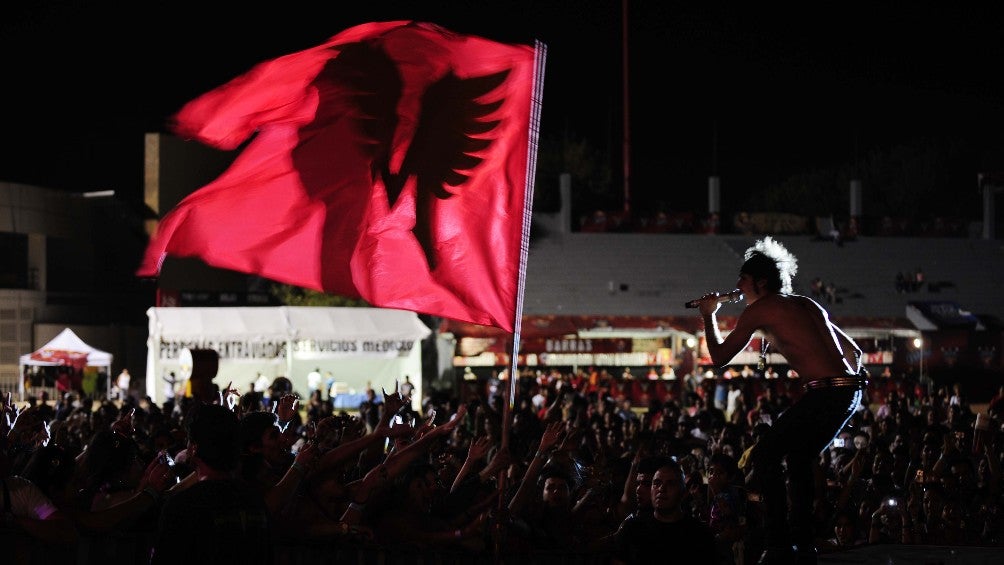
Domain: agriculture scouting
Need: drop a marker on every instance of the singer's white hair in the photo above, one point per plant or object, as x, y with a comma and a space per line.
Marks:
768, 255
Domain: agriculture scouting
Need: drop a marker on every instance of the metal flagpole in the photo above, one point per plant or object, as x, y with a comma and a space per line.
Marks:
502, 518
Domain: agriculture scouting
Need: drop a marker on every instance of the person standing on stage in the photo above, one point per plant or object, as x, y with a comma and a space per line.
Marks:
829, 364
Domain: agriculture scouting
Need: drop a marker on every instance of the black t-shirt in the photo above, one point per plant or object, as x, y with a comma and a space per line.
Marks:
647, 540
217, 521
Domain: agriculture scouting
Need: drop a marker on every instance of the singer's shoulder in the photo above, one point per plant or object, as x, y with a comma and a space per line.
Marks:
800, 302
773, 301
783, 298
772, 309
801, 298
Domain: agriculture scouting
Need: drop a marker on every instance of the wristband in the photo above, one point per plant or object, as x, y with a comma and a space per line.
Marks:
282, 426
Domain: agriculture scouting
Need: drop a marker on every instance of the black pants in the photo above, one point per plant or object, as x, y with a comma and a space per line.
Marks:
799, 434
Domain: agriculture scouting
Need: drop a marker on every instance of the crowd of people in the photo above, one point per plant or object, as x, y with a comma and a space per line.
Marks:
257, 477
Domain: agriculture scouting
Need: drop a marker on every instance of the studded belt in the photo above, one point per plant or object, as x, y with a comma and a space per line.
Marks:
832, 382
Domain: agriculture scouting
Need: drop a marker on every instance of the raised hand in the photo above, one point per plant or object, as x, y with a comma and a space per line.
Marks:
399, 431
554, 410
428, 425
479, 448
404, 398
885, 508
43, 435
10, 412
392, 402
230, 396
573, 435
394, 392
310, 430
498, 463
554, 432
286, 407
159, 474
448, 427
354, 428
123, 424
639, 454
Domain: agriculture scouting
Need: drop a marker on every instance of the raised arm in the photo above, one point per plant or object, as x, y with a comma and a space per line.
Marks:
552, 434
280, 494
156, 479
476, 452
723, 350
285, 410
352, 448
398, 461
42, 519
624, 505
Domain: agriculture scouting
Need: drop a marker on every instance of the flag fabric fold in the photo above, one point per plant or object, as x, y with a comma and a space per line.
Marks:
393, 163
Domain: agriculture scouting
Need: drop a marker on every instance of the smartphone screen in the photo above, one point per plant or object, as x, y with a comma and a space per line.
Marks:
166, 458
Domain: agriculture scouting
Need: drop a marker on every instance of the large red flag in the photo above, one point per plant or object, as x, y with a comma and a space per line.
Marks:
393, 163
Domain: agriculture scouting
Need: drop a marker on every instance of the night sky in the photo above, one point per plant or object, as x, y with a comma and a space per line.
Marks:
782, 91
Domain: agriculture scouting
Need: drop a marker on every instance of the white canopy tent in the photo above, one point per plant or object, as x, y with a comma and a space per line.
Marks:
358, 346
65, 349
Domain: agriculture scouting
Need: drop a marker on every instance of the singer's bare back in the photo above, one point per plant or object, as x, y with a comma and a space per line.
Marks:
795, 326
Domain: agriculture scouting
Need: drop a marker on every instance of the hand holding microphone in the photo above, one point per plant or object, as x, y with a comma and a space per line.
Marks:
730, 297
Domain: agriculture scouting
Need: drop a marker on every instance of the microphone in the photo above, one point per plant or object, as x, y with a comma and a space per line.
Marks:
730, 297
